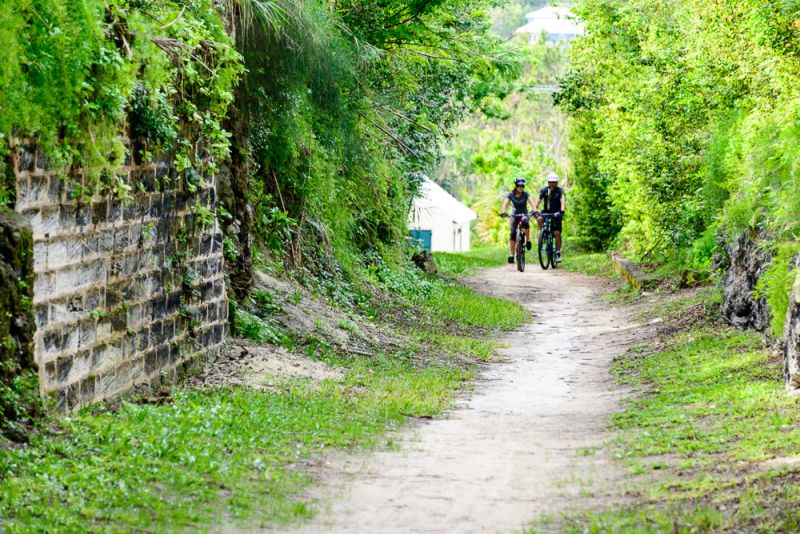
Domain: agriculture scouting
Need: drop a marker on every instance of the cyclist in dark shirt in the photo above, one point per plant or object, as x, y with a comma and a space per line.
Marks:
520, 199
554, 202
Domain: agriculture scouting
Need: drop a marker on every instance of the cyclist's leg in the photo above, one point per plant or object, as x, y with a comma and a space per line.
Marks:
512, 224
526, 225
557, 233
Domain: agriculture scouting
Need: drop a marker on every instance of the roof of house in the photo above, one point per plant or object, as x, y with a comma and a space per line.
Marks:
552, 20
433, 198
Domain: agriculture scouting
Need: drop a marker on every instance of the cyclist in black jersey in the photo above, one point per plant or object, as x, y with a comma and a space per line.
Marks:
520, 199
554, 202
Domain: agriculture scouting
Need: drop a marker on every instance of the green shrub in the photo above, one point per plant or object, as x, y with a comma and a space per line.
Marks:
776, 285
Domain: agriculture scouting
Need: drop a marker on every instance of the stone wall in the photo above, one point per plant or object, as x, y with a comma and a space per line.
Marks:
126, 293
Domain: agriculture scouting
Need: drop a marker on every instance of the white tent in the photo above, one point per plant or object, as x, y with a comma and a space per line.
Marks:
557, 22
440, 221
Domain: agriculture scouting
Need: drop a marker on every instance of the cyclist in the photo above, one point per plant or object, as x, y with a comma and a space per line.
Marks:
554, 203
520, 199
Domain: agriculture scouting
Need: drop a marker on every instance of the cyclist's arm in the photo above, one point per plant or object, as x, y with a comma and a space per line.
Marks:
538, 201
505, 205
530, 201
563, 202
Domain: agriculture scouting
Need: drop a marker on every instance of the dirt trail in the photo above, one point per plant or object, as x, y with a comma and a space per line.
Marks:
521, 447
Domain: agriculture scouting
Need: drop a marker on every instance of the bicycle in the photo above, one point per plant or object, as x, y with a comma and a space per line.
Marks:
547, 249
521, 240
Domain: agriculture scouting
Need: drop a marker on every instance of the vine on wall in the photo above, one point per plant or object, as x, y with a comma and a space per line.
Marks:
82, 75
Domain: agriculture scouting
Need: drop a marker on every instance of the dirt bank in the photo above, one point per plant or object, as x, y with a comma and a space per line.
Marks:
524, 445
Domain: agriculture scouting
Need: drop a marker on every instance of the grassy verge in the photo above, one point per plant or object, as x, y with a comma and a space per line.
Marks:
466, 263
711, 424
236, 455
182, 463
591, 263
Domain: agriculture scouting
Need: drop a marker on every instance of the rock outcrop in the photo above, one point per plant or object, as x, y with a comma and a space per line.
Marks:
791, 350
17, 326
743, 263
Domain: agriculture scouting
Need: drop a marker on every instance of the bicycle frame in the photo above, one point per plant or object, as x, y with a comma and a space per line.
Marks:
547, 252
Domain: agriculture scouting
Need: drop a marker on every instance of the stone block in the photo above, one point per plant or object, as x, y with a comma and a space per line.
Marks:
37, 190
71, 279
116, 209
42, 161
70, 338
100, 212
142, 339
50, 375
56, 190
87, 388
102, 330
137, 368
156, 333
84, 216
63, 368
73, 396
26, 157
106, 384
22, 193
39, 259
156, 206
122, 240
81, 366
41, 314
57, 255
151, 362
163, 352
51, 343
94, 300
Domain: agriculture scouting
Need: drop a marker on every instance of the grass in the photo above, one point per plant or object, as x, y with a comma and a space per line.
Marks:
711, 410
210, 455
591, 263
460, 304
479, 349
466, 263
236, 456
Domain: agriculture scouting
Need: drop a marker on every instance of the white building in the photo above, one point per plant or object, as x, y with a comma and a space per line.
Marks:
439, 221
557, 22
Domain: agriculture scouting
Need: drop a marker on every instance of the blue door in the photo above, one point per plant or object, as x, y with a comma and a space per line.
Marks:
423, 236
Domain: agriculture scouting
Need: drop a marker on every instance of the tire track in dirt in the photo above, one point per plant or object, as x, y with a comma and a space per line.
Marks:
525, 445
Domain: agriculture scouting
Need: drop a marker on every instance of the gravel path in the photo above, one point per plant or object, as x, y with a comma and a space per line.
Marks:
523, 446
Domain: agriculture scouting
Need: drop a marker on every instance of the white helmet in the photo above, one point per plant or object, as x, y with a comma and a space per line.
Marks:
552, 177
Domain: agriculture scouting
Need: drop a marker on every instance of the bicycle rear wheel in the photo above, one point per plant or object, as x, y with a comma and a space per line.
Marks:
520, 251
540, 249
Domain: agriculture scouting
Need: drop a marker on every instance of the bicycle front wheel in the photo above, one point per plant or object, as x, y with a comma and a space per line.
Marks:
541, 250
521, 252
551, 253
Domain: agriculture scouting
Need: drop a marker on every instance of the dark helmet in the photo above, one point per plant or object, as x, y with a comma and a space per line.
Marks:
520, 181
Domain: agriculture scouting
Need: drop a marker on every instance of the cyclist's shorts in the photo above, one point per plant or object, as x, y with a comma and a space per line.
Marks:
557, 222
512, 224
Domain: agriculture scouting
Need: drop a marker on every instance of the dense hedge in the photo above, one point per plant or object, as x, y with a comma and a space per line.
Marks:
686, 113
